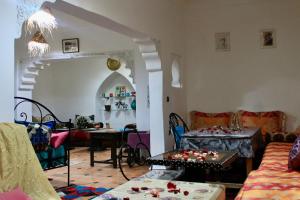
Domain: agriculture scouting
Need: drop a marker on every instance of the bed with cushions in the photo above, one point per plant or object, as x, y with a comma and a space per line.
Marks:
51, 147
274, 179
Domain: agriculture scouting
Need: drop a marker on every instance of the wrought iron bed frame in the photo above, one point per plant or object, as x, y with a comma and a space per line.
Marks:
68, 124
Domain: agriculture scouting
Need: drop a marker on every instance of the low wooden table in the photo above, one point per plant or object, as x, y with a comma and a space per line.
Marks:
223, 160
147, 187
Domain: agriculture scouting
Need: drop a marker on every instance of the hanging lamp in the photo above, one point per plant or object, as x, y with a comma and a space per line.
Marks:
38, 45
42, 20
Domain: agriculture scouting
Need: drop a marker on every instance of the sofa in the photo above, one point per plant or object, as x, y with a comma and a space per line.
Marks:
273, 179
270, 122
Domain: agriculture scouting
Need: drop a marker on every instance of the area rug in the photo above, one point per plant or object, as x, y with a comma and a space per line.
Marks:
80, 192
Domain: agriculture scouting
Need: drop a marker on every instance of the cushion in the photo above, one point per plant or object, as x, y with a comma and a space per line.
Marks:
206, 120
294, 156
269, 122
16, 194
58, 139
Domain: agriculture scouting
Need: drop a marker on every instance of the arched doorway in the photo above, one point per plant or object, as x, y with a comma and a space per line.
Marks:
148, 50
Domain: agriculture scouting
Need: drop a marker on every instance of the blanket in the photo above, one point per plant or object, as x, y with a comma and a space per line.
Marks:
19, 165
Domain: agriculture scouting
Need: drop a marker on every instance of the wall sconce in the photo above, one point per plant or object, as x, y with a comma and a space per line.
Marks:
42, 20
38, 46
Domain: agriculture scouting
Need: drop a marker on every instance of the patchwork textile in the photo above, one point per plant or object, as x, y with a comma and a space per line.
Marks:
273, 179
80, 192
19, 165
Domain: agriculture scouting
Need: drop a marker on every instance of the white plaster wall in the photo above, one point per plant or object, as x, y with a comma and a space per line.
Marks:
8, 16
247, 77
70, 87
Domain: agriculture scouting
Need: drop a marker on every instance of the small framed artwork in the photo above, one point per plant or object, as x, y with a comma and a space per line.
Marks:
268, 38
222, 41
70, 45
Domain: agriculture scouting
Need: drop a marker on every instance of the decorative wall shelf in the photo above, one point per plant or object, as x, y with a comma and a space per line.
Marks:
116, 110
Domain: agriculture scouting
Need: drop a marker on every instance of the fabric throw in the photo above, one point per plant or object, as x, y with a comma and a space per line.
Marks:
294, 156
82, 192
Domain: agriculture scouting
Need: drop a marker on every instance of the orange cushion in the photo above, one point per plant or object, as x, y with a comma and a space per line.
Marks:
206, 120
268, 121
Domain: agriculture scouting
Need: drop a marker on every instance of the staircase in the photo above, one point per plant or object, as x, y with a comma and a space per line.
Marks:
28, 75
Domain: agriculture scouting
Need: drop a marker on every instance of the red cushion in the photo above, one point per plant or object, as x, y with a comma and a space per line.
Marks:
58, 138
16, 194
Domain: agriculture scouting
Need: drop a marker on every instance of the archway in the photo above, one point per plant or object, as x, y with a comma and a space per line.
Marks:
148, 50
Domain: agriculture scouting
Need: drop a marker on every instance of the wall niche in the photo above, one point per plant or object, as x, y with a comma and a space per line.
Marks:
115, 101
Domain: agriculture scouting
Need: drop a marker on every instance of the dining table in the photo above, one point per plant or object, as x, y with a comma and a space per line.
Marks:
246, 142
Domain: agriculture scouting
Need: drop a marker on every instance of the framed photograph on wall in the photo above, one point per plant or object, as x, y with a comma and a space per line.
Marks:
268, 38
222, 41
70, 45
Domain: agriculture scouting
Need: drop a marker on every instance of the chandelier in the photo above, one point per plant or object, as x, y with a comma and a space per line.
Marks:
38, 46
42, 20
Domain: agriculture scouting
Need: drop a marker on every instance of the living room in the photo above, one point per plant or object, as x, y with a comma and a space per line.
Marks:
225, 61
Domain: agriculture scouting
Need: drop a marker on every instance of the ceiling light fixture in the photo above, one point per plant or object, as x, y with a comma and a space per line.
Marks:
42, 20
38, 46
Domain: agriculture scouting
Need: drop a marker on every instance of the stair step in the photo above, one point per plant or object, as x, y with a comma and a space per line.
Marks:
27, 81
26, 87
30, 73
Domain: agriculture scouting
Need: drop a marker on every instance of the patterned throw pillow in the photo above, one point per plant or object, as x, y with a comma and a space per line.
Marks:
269, 122
294, 156
206, 120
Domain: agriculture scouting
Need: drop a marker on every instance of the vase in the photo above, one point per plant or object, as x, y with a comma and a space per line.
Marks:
133, 105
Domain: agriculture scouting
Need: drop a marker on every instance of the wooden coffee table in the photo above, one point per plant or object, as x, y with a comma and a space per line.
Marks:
222, 160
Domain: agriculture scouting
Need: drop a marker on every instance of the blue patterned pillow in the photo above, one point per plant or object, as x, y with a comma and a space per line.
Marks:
294, 156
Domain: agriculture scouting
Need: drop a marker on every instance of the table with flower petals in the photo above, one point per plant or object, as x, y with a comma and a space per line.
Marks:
140, 188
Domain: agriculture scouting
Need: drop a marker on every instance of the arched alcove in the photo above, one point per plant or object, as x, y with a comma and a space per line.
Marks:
176, 81
116, 116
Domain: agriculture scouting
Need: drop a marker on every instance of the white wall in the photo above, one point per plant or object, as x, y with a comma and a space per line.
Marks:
70, 87
8, 16
247, 77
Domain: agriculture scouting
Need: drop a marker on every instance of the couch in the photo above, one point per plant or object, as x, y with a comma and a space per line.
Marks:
269, 122
273, 179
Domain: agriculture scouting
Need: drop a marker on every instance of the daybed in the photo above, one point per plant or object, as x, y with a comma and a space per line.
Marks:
273, 179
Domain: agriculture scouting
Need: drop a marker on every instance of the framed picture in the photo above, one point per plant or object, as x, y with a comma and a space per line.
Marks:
267, 38
70, 45
222, 41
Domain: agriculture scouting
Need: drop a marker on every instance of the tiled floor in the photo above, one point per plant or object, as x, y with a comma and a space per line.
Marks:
101, 175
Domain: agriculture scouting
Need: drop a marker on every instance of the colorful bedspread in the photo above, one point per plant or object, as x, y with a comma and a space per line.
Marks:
19, 165
272, 180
